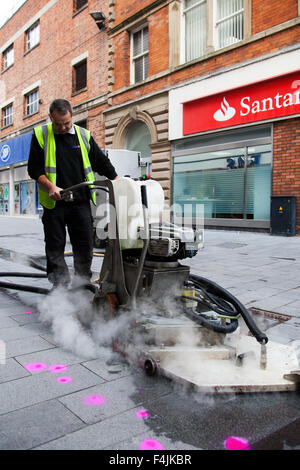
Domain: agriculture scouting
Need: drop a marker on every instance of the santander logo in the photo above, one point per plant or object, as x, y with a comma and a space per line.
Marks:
225, 112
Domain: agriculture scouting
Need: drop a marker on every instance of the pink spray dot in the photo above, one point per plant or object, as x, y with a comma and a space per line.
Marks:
57, 368
236, 443
150, 444
35, 366
64, 380
28, 312
142, 414
93, 400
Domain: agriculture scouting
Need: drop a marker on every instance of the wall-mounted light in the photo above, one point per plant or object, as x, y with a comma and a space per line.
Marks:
99, 18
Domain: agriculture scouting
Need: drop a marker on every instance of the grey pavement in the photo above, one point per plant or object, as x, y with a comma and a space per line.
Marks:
92, 403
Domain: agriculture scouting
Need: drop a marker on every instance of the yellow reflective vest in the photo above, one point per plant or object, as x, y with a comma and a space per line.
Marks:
45, 137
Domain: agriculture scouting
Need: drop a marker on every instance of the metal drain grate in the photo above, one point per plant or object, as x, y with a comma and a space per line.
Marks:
268, 314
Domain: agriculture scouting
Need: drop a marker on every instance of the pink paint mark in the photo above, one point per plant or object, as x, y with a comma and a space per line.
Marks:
57, 368
28, 312
64, 380
236, 443
142, 414
35, 366
93, 400
150, 444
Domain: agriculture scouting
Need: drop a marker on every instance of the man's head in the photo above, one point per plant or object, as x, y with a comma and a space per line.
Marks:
60, 112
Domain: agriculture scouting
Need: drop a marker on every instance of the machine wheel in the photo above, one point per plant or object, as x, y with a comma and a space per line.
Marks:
150, 366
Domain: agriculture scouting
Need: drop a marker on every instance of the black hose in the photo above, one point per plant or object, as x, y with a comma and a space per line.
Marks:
18, 274
36, 290
211, 287
211, 324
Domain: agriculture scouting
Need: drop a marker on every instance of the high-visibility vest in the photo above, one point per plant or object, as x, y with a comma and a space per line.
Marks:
45, 137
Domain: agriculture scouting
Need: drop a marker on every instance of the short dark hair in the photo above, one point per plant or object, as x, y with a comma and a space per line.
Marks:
61, 106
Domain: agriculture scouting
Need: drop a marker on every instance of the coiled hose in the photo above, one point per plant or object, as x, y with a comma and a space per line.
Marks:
213, 296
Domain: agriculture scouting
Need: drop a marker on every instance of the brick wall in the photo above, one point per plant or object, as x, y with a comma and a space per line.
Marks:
266, 13
286, 160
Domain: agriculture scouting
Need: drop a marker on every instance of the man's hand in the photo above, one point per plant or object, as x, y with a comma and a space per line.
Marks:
53, 190
54, 193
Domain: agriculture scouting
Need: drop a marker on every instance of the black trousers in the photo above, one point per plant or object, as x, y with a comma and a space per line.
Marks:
77, 218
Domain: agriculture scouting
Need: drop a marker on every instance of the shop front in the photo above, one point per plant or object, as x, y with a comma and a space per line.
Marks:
18, 194
224, 157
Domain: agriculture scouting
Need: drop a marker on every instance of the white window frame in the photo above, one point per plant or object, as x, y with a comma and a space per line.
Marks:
7, 115
8, 57
32, 36
32, 101
133, 58
217, 22
212, 42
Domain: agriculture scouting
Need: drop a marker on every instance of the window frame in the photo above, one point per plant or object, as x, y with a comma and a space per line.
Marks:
4, 117
28, 104
75, 67
212, 42
77, 8
144, 53
5, 55
28, 45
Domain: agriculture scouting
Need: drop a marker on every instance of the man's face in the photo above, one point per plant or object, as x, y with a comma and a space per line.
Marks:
61, 123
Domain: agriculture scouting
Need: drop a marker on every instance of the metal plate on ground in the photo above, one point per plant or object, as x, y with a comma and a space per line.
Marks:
213, 370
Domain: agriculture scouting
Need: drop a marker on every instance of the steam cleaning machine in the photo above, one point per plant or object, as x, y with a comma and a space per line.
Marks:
190, 328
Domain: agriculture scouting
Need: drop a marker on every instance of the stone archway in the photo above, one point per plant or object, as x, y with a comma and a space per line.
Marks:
133, 115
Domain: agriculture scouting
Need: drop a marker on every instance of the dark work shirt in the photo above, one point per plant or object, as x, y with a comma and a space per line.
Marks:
69, 164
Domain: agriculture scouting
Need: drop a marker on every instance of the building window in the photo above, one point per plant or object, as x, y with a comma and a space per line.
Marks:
32, 37
140, 55
229, 22
8, 57
78, 4
79, 76
32, 102
210, 25
195, 14
7, 116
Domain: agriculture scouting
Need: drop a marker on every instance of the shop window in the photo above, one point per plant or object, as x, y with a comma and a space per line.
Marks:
139, 55
7, 116
79, 76
210, 25
4, 199
78, 4
233, 182
8, 58
31, 102
32, 37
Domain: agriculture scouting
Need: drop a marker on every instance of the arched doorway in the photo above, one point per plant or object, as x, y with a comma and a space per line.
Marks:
138, 139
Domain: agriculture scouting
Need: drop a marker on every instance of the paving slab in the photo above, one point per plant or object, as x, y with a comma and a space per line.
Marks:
12, 370
118, 396
24, 346
51, 356
105, 434
33, 425
42, 386
108, 371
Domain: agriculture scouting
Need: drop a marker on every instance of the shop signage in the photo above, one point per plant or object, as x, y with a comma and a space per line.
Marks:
15, 150
267, 100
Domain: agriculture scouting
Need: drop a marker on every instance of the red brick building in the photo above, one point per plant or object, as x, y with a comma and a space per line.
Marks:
171, 65
207, 90
49, 49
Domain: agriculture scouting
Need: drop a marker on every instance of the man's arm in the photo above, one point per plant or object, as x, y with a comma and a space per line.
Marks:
100, 162
36, 170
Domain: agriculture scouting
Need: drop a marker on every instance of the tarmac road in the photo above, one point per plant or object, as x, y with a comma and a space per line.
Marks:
100, 402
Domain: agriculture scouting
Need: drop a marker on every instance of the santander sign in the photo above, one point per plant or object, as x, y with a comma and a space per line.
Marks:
267, 100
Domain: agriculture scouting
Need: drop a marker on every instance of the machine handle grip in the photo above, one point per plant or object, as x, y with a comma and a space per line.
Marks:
144, 196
